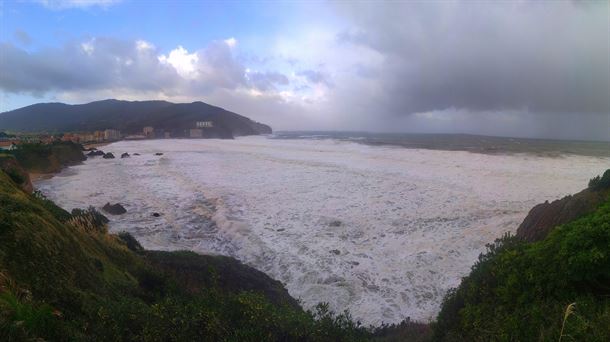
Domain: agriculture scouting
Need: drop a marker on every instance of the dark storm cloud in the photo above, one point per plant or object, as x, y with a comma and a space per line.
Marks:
534, 56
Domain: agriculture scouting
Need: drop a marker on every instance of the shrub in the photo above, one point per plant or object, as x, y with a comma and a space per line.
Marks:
21, 319
599, 183
89, 220
131, 242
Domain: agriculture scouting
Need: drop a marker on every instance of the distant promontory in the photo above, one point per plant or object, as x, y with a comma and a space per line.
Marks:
160, 119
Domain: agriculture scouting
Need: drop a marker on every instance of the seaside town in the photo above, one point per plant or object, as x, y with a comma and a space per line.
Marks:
10, 140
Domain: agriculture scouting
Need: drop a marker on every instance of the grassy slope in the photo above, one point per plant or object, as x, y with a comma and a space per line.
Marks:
59, 281
521, 291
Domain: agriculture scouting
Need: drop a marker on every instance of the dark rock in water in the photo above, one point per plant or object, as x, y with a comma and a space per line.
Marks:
125, 155
335, 223
156, 214
136, 154
335, 252
108, 155
280, 230
94, 153
114, 209
158, 154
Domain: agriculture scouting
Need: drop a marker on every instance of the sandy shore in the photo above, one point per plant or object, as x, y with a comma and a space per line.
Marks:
96, 145
40, 176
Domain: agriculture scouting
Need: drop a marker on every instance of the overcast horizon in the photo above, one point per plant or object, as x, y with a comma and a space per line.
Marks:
516, 69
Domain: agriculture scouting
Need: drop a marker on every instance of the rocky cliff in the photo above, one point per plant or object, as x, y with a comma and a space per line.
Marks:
48, 158
542, 218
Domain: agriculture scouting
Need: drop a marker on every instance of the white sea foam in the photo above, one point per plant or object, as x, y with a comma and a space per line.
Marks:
381, 231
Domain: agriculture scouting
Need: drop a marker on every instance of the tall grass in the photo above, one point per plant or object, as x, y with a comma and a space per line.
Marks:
569, 311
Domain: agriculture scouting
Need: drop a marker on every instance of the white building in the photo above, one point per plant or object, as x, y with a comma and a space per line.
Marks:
205, 124
112, 134
149, 131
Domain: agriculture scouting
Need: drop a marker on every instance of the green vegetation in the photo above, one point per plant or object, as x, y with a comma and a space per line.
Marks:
599, 183
46, 158
554, 289
63, 277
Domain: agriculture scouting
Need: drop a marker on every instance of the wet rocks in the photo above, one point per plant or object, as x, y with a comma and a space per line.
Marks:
335, 251
108, 155
125, 155
156, 214
114, 209
95, 153
158, 154
136, 154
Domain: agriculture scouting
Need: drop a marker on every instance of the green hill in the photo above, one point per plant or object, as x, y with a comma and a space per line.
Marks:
130, 117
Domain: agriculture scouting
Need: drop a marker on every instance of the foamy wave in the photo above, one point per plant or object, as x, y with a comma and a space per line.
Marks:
382, 231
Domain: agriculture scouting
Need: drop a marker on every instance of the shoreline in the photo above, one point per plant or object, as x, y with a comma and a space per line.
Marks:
36, 176
96, 145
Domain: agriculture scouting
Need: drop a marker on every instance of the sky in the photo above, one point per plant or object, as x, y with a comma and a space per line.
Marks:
511, 68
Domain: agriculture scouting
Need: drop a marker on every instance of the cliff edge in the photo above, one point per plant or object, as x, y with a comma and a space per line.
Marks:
542, 218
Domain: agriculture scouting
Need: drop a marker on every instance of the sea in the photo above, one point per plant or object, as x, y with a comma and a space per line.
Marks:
382, 225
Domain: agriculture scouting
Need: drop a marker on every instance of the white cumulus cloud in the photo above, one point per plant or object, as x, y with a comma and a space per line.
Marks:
184, 62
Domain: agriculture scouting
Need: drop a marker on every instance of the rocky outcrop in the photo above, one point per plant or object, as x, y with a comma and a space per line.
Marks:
48, 158
545, 216
114, 209
125, 155
95, 153
18, 174
108, 155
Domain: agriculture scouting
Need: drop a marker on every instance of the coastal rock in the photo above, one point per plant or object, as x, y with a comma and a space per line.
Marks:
156, 214
108, 155
158, 154
136, 154
125, 155
545, 216
95, 153
114, 209
335, 251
